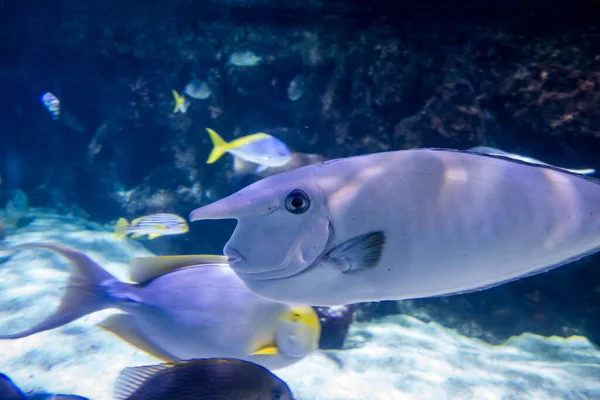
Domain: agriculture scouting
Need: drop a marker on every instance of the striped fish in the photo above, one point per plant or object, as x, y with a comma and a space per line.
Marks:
154, 225
52, 103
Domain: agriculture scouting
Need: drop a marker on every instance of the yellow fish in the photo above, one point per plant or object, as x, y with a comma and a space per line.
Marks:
258, 148
181, 102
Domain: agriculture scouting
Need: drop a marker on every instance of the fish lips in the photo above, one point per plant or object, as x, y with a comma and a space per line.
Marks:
246, 271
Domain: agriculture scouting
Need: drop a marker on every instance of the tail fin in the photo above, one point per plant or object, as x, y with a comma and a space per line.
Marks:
179, 100
85, 292
220, 146
122, 223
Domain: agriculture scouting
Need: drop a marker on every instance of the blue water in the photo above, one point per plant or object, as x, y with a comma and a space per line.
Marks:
375, 77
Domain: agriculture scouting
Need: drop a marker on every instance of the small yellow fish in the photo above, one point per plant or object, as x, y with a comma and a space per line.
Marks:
154, 225
201, 379
258, 148
181, 102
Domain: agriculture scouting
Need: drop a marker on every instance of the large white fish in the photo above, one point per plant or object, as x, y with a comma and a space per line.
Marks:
405, 224
182, 310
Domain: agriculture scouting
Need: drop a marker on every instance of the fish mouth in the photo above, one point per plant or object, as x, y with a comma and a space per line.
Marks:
273, 275
280, 272
234, 256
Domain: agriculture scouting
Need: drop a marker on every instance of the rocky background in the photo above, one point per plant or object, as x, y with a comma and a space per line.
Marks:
377, 78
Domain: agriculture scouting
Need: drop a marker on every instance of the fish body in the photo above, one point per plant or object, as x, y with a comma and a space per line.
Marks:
188, 312
406, 224
296, 88
259, 148
153, 226
201, 379
244, 59
494, 151
242, 167
8, 390
51, 103
197, 89
181, 102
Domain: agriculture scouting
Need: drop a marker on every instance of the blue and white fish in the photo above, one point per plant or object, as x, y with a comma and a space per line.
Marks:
244, 59
52, 103
197, 89
258, 148
154, 225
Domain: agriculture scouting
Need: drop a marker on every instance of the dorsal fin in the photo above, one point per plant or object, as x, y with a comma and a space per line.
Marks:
132, 378
143, 269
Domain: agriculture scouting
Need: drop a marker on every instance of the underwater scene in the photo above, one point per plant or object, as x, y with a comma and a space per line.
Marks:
299, 199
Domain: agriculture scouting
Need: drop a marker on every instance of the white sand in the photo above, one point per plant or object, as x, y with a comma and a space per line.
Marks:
394, 359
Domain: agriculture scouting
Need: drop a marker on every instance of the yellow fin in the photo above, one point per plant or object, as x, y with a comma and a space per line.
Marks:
179, 100
123, 326
120, 228
136, 235
132, 378
267, 350
220, 146
143, 269
153, 235
247, 139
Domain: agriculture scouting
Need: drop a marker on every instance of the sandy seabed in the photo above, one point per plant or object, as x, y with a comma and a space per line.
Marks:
396, 358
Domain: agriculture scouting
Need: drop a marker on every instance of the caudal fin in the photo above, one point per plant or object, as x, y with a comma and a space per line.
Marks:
85, 292
220, 146
120, 227
179, 100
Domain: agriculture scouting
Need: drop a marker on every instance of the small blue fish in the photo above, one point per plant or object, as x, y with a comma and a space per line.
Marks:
258, 148
296, 88
244, 59
52, 103
197, 89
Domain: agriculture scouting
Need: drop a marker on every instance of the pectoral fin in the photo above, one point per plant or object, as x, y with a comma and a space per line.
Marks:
153, 235
358, 253
268, 350
136, 235
123, 326
143, 269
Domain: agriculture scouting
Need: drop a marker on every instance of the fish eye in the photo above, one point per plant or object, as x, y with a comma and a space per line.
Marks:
297, 202
296, 316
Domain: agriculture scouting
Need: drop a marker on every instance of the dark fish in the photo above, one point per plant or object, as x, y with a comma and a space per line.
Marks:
8, 390
201, 379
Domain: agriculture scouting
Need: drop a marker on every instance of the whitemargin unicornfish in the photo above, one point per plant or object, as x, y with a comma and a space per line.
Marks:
406, 224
